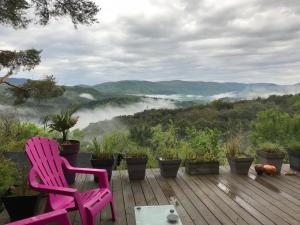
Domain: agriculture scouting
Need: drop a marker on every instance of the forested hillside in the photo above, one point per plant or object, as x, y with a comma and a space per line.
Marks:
217, 114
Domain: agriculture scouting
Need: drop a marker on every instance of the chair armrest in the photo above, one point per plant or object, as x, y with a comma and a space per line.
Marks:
55, 190
46, 188
101, 173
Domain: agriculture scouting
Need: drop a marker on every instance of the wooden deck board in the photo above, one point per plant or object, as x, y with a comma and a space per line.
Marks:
212, 199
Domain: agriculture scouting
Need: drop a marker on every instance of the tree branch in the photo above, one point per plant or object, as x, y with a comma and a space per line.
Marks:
5, 78
15, 86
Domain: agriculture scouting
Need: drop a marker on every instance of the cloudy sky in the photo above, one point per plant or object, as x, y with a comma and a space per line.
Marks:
208, 40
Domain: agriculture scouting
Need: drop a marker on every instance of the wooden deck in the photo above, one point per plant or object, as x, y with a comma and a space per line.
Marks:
222, 199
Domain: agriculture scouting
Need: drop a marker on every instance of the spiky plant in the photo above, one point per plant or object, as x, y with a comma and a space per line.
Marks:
62, 122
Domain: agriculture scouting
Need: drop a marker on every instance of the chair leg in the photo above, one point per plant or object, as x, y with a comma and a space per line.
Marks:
113, 210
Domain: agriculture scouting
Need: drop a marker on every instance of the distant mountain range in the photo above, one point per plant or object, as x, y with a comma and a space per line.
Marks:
195, 91
177, 87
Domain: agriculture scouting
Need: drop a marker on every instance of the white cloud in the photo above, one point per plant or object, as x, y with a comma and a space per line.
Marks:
228, 40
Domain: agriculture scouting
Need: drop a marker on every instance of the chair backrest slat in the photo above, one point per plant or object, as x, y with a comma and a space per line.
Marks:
43, 154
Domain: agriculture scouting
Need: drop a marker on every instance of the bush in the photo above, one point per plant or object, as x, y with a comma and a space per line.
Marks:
7, 173
136, 151
270, 147
165, 143
271, 126
111, 143
14, 133
201, 145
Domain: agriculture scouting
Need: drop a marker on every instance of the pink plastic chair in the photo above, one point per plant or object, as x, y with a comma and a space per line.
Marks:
43, 154
59, 216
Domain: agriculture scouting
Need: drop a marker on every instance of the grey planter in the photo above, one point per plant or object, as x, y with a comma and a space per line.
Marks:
239, 165
106, 164
136, 168
273, 158
198, 168
169, 168
294, 158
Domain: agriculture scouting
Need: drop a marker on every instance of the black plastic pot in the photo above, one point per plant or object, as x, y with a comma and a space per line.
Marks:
197, 168
169, 168
294, 158
20, 207
273, 158
84, 159
136, 168
240, 165
70, 152
107, 164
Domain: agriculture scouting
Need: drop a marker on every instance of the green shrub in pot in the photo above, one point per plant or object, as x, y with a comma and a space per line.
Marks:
165, 144
201, 151
62, 123
239, 161
7, 175
136, 159
20, 200
106, 151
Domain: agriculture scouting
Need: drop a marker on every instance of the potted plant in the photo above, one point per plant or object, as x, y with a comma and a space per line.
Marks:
271, 153
62, 123
169, 162
20, 200
201, 152
294, 156
7, 175
165, 144
239, 162
105, 154
136, 159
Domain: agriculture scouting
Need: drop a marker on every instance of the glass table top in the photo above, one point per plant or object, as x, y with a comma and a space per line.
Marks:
154, 215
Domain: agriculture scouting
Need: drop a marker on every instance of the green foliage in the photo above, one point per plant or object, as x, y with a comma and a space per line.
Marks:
14, 133
221, 105
270, 126
136, 151
201, 145
276, 127
165, 143
141, 135
14, 60
270, 147
233, 147
111, 143
37, 89
62, 122
7, 173
19, 13
294, 146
